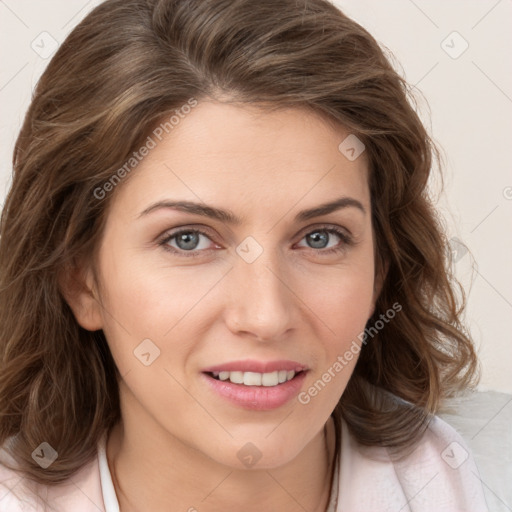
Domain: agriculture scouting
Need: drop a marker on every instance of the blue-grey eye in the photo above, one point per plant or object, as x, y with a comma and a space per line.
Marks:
188, 240
318, 239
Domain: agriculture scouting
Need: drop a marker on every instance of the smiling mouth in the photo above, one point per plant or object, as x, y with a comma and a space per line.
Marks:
270, 379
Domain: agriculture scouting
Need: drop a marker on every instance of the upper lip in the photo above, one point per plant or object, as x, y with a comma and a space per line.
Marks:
250, 365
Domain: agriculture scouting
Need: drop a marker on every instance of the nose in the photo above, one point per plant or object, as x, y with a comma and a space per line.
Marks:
261, 301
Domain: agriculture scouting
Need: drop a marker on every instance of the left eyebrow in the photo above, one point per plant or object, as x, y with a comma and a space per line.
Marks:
324, 209
230, 218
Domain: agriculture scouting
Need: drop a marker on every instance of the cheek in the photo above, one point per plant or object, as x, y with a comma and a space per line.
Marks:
163, 304
343, 308
349, 311
341, 298
341, 304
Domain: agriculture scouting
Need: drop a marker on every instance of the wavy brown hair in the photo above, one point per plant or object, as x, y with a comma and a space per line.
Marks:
125, 67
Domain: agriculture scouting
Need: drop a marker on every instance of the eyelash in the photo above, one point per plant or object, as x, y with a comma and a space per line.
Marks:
346, 239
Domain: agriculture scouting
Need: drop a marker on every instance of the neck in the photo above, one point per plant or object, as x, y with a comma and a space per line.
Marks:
146, 478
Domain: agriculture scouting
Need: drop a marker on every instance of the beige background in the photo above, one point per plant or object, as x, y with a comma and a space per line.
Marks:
455, 53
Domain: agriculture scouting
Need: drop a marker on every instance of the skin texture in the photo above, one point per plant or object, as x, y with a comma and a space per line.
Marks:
178, 441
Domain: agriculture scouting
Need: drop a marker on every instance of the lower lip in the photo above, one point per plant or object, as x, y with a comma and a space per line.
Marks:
257, 398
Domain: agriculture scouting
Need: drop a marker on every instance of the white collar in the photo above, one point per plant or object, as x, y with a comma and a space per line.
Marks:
107, 486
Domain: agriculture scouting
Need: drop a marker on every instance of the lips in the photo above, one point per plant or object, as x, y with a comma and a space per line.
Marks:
256, 385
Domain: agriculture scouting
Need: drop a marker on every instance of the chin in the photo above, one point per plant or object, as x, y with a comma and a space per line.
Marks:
258, 452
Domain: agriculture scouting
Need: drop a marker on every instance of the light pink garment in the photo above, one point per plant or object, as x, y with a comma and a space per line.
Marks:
438, 476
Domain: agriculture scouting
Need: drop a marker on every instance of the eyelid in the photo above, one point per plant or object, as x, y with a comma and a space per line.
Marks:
205, 230
324, 225
342, 232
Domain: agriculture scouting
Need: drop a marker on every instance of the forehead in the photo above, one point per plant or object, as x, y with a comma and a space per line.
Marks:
246, 155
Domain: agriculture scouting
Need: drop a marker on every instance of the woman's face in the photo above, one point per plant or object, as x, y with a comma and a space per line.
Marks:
189, 316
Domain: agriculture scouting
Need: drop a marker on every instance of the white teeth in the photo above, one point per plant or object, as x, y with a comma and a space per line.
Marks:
236, 377
256, 379
270, 379
252, 379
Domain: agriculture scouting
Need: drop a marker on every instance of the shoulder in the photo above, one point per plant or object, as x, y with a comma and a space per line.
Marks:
438, 474
9, 480
15, 494
80, 493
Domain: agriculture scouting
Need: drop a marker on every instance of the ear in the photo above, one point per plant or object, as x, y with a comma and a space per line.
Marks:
79, 288
380, 277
